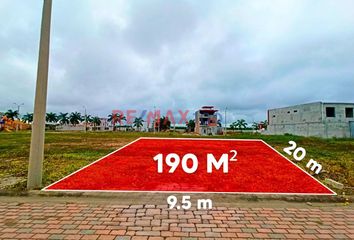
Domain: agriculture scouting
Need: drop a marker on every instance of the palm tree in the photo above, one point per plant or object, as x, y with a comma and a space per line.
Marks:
112, 118
255, 125
138, 123
27, 118
63, 118
51, 117
120, 118
233, 126
87, 118
219, 123
96, 121
265, 124
190, 125
241, 124
165, 123
75, 118
10, 114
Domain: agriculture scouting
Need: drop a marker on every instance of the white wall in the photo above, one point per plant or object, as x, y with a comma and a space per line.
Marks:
310, 120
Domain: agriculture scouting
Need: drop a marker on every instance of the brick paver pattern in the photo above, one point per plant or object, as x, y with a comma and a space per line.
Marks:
108, 221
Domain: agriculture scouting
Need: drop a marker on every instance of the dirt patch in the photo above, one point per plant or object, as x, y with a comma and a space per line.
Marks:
9, 181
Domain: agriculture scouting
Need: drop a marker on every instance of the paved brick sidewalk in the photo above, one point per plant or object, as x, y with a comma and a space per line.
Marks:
47, 220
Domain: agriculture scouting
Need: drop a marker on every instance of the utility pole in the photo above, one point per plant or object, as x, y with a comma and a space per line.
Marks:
35, 166
225, 122
154, 119
18, 113
85, 118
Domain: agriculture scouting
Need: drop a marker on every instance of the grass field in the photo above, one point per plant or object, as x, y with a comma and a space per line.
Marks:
66, 152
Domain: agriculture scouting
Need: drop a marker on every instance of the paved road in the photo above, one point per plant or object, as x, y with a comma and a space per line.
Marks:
81, 218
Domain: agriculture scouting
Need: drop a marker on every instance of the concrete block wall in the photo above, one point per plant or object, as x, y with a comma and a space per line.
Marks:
310, 120
339, 112
340, 130
311, 112
329, 130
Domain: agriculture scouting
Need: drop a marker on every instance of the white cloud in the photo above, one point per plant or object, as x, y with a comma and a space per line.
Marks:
246, 55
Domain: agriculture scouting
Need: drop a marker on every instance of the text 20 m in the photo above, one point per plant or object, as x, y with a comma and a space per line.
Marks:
173, 160
299, 153
186, 203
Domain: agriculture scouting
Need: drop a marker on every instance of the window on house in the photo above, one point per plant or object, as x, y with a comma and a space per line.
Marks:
348, 112
295, 111
330, 112
273, 116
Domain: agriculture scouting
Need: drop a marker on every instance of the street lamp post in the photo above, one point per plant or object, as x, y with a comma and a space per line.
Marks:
18, 107
38, 127
18, 113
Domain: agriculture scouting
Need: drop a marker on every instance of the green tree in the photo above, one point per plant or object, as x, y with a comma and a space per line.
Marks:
89, 118
255, 125
63, 118
138, 123
51, 117
233, 126
113, 118
27, 118
10, 114
241, 124
164, 123
96, 121
75, 118
190, 125
121, 118
265, 124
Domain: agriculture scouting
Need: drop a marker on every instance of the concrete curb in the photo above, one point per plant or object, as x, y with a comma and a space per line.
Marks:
145, 195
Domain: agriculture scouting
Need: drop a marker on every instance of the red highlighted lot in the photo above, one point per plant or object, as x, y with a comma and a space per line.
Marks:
258, 169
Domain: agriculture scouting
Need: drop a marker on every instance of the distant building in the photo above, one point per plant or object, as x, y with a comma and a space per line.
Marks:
70, 127
320, 119
206, 121
104, 125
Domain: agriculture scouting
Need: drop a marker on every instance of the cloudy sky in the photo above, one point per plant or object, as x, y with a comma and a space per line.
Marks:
247, 56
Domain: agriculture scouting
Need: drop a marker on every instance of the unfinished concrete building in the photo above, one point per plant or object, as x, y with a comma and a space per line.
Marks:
206, 121
320, 119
